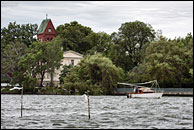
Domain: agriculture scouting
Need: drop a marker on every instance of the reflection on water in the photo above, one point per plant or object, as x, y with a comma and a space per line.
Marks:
60, 111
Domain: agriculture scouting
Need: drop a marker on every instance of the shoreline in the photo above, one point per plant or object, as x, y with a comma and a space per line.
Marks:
165, 94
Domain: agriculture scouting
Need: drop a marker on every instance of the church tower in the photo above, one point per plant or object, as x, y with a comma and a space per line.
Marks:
46, 31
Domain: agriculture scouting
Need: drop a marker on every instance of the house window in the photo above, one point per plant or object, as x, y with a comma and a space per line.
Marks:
72, 62
49, 30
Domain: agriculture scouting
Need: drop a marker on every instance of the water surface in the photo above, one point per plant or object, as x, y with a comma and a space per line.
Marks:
114, 112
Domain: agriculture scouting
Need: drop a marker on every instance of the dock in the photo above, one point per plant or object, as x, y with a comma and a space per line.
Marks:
182, 94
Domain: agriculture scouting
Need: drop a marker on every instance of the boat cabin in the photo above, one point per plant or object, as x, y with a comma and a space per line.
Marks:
139, 89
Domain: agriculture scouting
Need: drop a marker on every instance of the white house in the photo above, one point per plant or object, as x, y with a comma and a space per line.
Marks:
69, 58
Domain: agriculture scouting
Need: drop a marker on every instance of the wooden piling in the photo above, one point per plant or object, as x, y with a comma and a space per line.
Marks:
88, 107
22, 100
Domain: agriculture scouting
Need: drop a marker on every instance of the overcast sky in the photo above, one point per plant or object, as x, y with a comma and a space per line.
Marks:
174, 18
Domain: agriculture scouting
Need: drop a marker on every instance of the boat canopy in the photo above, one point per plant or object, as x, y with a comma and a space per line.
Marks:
154, 84
139, 84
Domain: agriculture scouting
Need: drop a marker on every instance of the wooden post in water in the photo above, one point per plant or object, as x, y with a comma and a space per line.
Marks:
22, 100
88, 107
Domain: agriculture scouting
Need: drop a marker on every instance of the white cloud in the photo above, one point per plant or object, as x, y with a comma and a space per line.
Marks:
174, 18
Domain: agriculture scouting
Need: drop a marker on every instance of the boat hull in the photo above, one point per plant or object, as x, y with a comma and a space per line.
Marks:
145, 95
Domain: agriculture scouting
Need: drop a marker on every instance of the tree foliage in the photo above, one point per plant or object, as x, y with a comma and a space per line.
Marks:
100, 42
20, 33
168, 61
34, 63
97, 73
54, 55
82, 39
74, 37
65, 70
10, 56
129, 43
41, 58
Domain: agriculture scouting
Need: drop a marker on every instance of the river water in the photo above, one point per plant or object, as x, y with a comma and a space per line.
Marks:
107, 112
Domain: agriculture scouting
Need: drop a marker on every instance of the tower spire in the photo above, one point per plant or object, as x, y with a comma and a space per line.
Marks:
46, 16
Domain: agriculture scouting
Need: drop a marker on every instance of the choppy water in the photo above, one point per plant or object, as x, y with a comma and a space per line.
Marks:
117, 112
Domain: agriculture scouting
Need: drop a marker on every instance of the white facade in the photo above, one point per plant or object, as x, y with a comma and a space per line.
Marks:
69, 58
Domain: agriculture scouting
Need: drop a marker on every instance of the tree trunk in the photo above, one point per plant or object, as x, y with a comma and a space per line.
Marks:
52, 76
42, 78
51, 84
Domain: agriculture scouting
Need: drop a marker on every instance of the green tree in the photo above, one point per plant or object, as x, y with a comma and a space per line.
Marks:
54, 55
10, 56
34, 63
97, 73
100, 43
40, 59
131, 38
170, 61
21, 33
191, 72
74, 37
139, 73
66, 69
186, 45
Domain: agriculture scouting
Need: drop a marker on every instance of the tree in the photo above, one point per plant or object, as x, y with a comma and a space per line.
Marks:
34, 63
96, 72
186, 45
66, 69
100, 43
74, 37
10, 56
54, 55
191, 72
119, 57
139, 73
21, 33
41, 58
170, 61
131, 38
